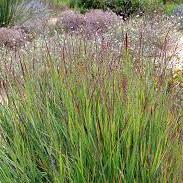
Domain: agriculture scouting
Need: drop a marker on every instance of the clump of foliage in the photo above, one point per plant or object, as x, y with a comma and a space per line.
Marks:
92, 110
99, 117
7, 11
156, 28
71, 21
91, 23
19, 11
121, 7
12, 37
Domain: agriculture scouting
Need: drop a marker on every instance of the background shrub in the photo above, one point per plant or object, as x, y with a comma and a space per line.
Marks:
92, 23
12, 38
121, 7
71, 21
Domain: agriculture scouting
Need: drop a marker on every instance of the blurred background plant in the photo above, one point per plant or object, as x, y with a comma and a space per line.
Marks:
7, 11
121, 7
178, 12
19, 11
32, 15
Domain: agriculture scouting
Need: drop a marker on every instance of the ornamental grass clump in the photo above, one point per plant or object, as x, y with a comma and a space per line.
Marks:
79, 119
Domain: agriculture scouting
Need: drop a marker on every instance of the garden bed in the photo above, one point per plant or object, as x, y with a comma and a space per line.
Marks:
91, 97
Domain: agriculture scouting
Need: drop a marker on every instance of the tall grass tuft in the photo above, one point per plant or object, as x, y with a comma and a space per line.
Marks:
90, 122
7, 11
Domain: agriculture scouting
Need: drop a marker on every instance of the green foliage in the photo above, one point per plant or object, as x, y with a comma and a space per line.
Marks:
123, 7
7, 11
61, 2
87, 123
118, 6
169, 8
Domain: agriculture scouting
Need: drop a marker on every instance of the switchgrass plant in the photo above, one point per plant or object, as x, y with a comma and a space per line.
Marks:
89, 117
